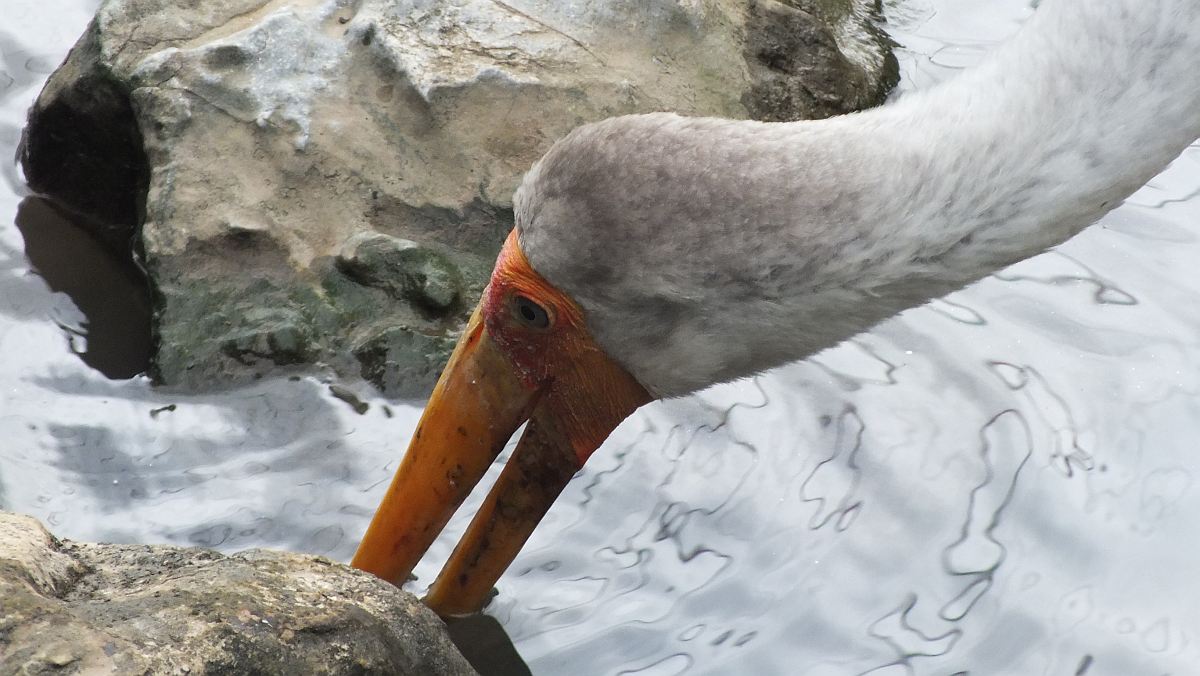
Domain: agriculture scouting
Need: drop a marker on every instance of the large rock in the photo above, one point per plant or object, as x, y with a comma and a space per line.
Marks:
329, 180
76, 608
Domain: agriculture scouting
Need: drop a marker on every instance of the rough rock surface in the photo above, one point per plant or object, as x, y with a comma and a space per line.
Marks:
77, 608
329, 180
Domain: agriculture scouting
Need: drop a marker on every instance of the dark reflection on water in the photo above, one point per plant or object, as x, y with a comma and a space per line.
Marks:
111, 294
486, 646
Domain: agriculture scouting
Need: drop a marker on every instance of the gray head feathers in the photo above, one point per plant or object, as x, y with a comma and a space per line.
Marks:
703, 250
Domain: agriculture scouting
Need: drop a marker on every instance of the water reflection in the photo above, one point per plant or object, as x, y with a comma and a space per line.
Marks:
486, 646
111, 294
1002, 482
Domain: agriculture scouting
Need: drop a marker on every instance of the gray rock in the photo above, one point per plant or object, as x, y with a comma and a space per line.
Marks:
244, 145
78, 608
395, 358
402, 268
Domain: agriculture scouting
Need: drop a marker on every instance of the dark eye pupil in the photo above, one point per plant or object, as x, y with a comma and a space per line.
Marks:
532, 313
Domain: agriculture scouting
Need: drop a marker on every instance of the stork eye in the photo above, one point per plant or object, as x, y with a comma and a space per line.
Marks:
530, 313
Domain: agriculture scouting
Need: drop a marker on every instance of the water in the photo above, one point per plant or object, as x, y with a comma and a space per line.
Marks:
1002, 482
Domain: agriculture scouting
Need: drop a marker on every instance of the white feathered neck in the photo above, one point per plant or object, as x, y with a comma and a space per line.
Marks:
703, 250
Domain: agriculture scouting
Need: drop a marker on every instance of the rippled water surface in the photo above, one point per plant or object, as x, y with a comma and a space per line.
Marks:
1002, 482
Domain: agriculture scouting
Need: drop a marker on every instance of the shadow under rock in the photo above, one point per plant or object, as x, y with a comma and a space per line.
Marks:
112, 294
485, 644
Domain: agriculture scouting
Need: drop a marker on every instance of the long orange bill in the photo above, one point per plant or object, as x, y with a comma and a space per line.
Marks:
431, 483
477, 405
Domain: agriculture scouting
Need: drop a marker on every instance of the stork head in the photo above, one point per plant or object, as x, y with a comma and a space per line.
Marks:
632, 274
530, 353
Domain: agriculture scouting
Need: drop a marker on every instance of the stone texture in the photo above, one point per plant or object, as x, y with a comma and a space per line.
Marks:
329, 180
80, 608
402, 268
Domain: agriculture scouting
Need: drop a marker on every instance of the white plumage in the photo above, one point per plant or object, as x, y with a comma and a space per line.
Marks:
703, 250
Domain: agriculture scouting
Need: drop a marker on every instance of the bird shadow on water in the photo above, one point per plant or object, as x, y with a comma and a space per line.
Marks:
112, 294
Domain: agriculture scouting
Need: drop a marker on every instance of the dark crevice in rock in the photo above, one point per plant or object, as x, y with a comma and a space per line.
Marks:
83, 149
82, 146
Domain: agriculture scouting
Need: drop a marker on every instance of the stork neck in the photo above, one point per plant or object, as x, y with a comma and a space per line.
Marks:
1080, 109
677, 235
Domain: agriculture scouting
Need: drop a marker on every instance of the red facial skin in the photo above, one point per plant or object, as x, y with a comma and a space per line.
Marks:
532, 350
587, 392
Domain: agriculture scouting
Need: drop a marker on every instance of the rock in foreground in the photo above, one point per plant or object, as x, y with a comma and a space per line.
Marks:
79, 608
330, 180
